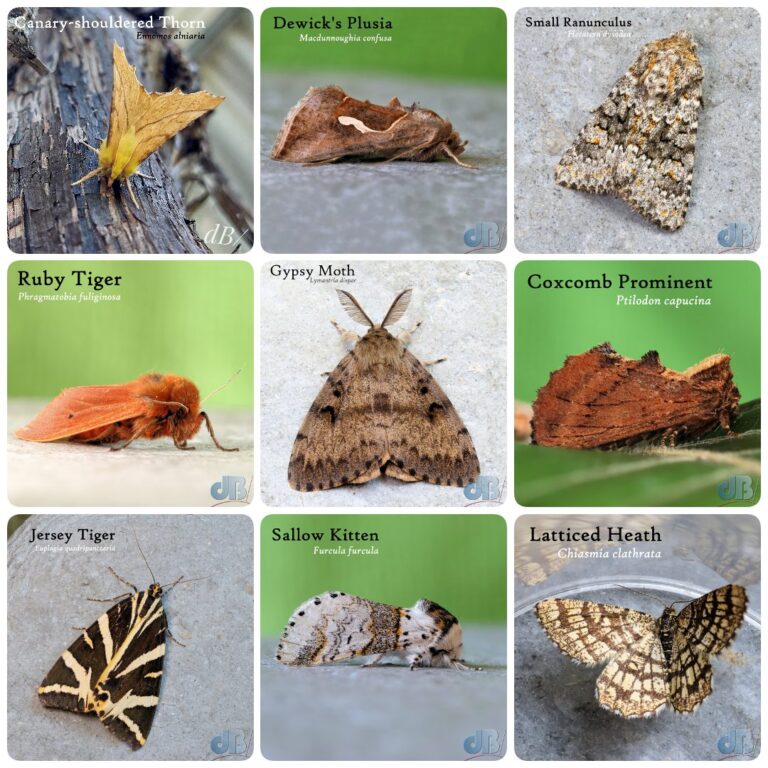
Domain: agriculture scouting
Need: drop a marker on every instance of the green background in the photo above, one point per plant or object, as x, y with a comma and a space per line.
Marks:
442, 43
194, 319
552, 324
457, 561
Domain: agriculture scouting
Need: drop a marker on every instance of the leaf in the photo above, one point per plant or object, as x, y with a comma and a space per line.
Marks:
687, 475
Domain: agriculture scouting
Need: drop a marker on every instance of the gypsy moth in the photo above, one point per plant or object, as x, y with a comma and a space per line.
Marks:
380, 412
335, 627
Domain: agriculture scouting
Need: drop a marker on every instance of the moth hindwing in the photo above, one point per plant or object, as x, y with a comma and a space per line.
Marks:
380, 412
114, 668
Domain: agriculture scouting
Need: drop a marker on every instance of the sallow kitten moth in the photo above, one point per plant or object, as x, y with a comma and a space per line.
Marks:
336, 627
380, 412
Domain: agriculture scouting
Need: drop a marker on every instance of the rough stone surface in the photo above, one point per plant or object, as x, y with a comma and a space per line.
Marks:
388, 712
147, 473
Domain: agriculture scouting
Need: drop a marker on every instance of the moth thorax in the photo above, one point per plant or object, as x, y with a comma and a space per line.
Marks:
378, 348
667, 624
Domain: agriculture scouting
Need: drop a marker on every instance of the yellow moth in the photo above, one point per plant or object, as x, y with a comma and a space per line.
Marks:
141, 122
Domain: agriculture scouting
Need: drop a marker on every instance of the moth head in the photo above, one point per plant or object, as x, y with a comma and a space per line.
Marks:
445, 649
668, 67
155, 590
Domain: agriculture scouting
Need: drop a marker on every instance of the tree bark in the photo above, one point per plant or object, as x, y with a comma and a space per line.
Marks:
48, 119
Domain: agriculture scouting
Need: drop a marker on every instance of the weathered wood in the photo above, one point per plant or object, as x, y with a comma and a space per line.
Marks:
48, 118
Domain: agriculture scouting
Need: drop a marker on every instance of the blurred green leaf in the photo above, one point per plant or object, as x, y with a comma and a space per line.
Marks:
688, 475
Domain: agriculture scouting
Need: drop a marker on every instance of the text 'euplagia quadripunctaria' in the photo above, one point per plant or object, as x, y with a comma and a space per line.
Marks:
114, 668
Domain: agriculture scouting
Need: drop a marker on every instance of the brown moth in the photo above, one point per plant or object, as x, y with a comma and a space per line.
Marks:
380, 412
327, 126
599, 399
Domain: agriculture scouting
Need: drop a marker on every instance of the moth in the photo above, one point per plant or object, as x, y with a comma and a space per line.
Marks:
639, 143
336, 627
113, 670
151, 407
380, 412
141, 122
599, 399
327, 126
652, 663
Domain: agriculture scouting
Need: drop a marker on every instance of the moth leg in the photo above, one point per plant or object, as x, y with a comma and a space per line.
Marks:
374, 661
455, 159
182, 446
348, 337
669, 437
87, 176
130, 189
134, 436
213, 436
143, 175
93, 149
427, 363
121, 579
170, 634
404, 337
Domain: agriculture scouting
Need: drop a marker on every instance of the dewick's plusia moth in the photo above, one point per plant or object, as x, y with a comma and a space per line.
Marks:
327, 126
380, 412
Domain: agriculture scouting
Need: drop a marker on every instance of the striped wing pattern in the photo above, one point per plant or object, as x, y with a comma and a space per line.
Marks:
114, 668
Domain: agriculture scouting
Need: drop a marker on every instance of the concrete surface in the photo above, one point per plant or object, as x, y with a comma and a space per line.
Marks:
560, 79
557, 716
463, 309
207, 686
398, 207
147, 473
344, 712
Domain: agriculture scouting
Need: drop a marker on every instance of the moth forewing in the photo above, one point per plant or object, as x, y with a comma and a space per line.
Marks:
380, 412
334, 627
114, 668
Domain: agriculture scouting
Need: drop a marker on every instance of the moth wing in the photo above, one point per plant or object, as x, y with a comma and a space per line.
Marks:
609, 154
154, 117
79, 409
590, 632
133, 683
425, 437
356, 427
586, 401
334, 627
709, 623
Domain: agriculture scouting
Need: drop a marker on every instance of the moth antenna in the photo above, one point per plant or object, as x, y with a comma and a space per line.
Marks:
397, 310
154, 580
225, 384
353, 308
648, 594
182, 580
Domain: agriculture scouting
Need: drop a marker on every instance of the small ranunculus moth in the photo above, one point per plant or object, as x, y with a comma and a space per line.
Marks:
141, 122
327, 126
152, 406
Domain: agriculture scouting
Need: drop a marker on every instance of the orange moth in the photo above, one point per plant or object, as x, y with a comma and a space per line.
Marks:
141, 122
152, 406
